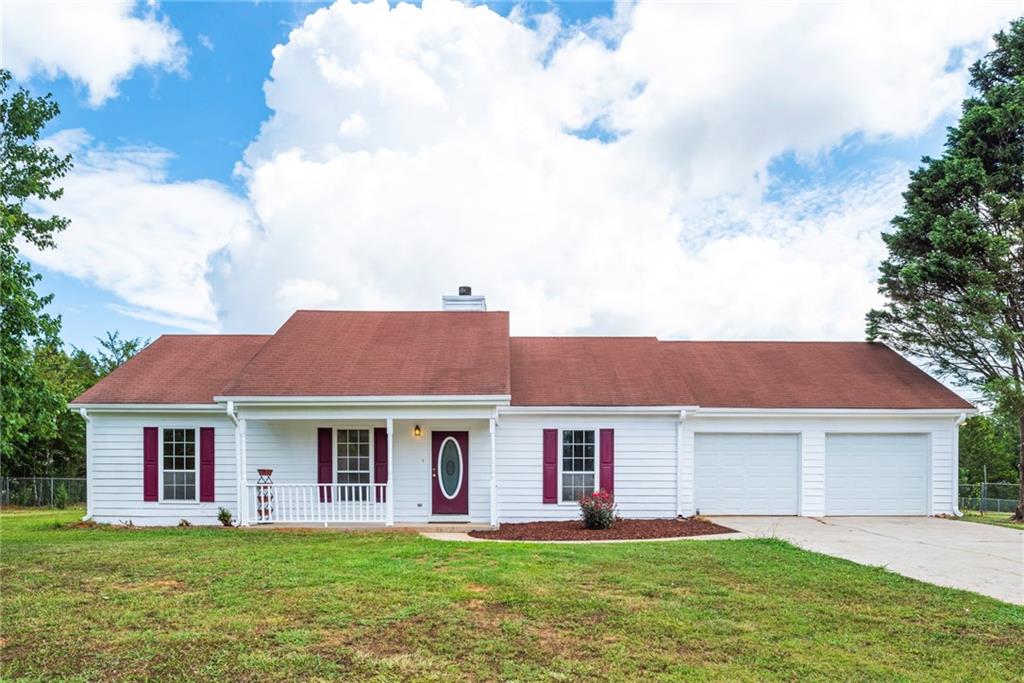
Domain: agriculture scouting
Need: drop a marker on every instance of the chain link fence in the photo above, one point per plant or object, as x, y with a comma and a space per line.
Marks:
56, 492
989, 497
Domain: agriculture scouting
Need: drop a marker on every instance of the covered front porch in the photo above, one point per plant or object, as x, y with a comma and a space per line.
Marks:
365, 466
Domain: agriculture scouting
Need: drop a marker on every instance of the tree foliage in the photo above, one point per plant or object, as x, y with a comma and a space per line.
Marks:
37, 376
29, 404
62, 451
988, 448
954, 276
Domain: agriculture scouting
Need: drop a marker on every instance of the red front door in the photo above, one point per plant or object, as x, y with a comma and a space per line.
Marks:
449, 469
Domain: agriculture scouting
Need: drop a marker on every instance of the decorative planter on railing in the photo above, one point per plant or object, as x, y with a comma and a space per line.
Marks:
264, 496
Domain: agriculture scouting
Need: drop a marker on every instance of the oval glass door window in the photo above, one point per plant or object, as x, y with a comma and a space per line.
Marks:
449, 468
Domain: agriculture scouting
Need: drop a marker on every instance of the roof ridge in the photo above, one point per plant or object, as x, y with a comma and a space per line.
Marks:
379, 311
217, 334
768, 341
584, 336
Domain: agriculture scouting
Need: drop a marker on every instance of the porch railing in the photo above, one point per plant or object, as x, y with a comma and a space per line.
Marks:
316, 503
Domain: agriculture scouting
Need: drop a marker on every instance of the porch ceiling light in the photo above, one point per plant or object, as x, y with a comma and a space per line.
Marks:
417, 432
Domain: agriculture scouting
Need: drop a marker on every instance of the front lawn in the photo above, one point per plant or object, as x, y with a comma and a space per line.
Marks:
996, 518
217, 604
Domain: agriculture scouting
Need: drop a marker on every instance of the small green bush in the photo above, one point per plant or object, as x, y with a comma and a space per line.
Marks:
23, 496
60, 497
224, 516
598, 510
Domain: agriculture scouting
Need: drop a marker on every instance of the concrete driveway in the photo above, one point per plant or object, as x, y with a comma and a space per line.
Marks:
976, 557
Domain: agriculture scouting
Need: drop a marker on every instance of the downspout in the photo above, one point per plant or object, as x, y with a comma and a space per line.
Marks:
88, 464
679, 463
956, 464
492, 425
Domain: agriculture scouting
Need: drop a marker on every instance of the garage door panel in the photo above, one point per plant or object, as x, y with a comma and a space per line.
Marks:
876, 474
746, 474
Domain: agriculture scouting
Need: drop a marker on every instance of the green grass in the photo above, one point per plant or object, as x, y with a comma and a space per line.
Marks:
994, 518
209, 604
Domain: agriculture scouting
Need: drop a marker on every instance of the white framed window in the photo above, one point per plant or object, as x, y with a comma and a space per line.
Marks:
179, 471
577, 464
353, 461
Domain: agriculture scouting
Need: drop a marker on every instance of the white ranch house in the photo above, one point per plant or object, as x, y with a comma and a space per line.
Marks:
392, 418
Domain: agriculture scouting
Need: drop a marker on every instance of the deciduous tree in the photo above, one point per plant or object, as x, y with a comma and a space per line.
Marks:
29, 404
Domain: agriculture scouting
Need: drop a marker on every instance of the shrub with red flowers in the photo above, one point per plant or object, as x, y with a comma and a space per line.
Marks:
598, 510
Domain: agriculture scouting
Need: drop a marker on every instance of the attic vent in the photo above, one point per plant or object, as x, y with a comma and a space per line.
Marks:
464, 301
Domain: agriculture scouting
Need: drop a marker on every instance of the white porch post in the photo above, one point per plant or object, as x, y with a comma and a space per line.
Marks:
243, 500
390, 491
494, 475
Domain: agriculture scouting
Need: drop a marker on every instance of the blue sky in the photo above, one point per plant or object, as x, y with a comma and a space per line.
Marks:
206, 117
753, 157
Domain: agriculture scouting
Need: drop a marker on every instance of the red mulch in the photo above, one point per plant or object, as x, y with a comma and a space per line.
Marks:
624, 529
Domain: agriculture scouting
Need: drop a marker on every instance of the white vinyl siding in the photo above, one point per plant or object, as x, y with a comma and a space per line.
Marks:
116, 475
747, 474
653, 474
645, 465
876, 474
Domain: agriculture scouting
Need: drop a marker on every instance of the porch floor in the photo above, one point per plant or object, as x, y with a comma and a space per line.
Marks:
434, 527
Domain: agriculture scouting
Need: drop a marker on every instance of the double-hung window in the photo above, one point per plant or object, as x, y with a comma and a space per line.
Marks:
578, 463
353, 463
179, 470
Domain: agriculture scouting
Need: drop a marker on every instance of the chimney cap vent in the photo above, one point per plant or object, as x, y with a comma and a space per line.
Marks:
464, 301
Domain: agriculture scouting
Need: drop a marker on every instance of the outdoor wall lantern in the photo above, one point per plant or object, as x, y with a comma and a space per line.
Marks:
417, 432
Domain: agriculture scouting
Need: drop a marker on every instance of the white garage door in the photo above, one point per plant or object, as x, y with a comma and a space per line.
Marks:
746, 474
876, 474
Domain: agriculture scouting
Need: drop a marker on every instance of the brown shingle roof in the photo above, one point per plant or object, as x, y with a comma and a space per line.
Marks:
342, 353
359, 353
595, 371
805, 375
627, 371
189, 368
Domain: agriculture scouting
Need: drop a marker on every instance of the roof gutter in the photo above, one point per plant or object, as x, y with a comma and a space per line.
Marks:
147, 407
833, 412
956, 463
439, 399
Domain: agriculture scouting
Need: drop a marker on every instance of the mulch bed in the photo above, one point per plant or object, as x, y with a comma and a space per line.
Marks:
624, 529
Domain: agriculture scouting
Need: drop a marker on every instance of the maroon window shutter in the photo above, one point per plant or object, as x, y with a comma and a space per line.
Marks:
380, 460
607, 476
206, 465
324, 451
150, 458
550, 465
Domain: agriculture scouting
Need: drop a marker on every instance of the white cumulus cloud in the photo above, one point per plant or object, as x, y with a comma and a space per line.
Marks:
615, 177
138, 235
95, 44
606, 178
